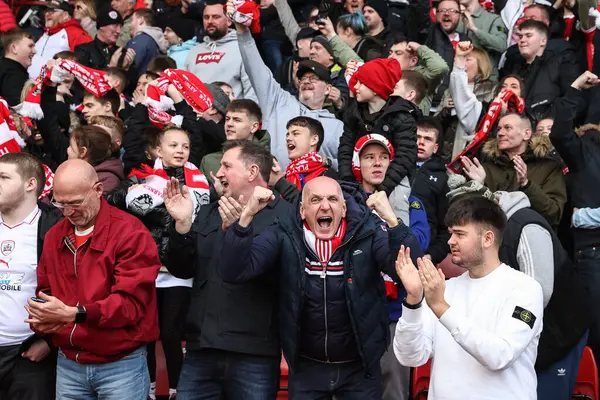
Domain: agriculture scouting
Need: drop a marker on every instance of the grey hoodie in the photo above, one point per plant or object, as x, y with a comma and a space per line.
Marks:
535, 252
156, 34
278, 106
220, 60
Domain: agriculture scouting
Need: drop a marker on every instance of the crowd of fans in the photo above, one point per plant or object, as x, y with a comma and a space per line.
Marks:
298, 177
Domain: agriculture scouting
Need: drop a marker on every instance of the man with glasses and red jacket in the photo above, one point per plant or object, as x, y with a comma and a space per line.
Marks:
96, 294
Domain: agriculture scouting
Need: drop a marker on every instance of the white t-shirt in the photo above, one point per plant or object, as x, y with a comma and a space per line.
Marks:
485, 345
18, 279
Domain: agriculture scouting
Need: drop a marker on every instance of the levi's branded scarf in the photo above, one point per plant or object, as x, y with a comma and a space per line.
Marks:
305, 168
149, 194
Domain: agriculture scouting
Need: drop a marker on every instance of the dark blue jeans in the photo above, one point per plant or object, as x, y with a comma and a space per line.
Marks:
312, 380
588, 269
216, 374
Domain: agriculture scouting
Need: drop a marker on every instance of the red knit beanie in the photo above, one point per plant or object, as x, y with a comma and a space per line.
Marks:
380, 75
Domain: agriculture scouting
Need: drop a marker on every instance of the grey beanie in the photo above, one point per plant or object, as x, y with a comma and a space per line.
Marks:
220, 99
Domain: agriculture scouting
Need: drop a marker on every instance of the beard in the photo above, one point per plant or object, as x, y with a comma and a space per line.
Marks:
470, 260
217, 33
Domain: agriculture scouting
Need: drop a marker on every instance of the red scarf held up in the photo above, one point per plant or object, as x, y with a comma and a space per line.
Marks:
93, 80
514, 104
247, 13
11, 142
326, 248
305, 168
195, 93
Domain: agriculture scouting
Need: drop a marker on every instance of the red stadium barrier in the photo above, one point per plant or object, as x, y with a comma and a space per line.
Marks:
283, 380
587, 377
420, 381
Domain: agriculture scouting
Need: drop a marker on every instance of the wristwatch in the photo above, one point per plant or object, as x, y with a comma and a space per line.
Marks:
81, 315
412, 306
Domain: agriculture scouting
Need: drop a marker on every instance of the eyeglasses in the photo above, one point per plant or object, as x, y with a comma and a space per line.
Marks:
310, 79
447, 11
72, 206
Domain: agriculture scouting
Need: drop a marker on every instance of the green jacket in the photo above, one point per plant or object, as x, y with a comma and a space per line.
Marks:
546, 188
212, 162
492, 35
124, 36
431, 65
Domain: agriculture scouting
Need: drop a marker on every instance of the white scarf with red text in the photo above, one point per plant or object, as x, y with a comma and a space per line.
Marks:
149, 194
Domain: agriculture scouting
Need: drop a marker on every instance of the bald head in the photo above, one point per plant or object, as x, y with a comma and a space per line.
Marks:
75, 173
319, 183
78, 193
323, 206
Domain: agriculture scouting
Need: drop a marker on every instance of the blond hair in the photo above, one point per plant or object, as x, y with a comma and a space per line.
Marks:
484, 65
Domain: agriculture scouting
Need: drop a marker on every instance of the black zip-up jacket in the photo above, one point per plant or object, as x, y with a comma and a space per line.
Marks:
547, 79
240, 318
430, 186
95, 54
13, 76
438, 41
397, 122
582, 155
365, 252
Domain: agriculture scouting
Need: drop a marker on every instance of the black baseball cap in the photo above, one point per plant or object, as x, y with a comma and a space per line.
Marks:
60, 5
316, 68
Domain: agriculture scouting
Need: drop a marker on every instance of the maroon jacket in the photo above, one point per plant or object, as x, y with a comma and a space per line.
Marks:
112, 275
110, 173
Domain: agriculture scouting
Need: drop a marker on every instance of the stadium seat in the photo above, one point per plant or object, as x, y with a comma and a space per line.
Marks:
420, 381
283, 380
587, 377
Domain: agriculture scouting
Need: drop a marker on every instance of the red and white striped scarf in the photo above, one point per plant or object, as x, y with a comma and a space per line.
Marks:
324, 249
193, 90
93, 80
513, 102
11, 142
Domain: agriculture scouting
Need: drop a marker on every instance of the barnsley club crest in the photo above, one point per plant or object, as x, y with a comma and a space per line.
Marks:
7, 247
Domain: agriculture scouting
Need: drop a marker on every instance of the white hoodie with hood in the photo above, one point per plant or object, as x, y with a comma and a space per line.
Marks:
220, 61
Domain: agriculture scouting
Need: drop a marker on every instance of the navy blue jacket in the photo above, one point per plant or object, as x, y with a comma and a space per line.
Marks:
366, 251
146, 49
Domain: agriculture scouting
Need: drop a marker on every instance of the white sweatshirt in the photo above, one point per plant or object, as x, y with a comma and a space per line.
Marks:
485, 345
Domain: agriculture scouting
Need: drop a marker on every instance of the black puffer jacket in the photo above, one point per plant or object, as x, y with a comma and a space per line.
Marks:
157, 219
397, 122
430, 186
351, 320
